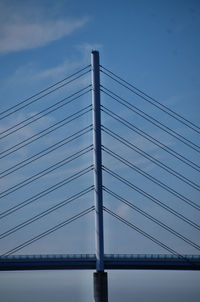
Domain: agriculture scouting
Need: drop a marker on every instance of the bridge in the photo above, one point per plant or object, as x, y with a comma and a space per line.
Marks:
145, 162
111, 261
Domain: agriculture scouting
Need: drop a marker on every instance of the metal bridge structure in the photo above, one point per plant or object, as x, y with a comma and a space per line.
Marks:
112, 261
144, 161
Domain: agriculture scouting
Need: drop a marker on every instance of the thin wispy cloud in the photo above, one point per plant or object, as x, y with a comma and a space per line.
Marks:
22, 35
31, 73
26, 26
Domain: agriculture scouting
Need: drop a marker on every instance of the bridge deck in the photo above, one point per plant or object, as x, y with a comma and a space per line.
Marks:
111, 261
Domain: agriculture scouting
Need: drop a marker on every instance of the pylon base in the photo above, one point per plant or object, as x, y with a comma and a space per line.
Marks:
100, 286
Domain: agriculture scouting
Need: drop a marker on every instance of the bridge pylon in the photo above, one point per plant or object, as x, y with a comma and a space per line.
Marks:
100, 277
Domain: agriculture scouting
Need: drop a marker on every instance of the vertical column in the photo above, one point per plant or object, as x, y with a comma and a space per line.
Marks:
97, 162
100, 277
100, 287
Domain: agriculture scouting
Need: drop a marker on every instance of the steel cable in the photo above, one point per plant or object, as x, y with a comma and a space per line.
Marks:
46, 192
160, 204
151, 218
141, 191
40, 92
150, 138
57, 125
151, 158
46, 151
49, 231
46, 212
156, 103
151, 178
153, 121
145, 234
46, 171
30, 121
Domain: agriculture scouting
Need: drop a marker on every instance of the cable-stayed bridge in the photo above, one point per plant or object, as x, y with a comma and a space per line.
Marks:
88, 261
144, 159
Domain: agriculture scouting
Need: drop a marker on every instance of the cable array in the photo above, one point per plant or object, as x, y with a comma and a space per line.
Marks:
46, 191
150, 100
80, 152
58, 104
39, 115
9, 111
46, 151
150, 119
151, 178
154, 200
145, 234
148, 137
49, 231
151, 218
116, 117
46, 212
46, 171
151, 158
46, 131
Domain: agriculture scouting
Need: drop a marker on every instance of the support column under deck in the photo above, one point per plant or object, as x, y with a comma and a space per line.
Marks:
100, 286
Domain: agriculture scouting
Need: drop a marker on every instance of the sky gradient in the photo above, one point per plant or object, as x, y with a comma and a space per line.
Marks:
154, 45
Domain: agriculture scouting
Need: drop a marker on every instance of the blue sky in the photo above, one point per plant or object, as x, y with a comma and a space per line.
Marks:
154, 45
